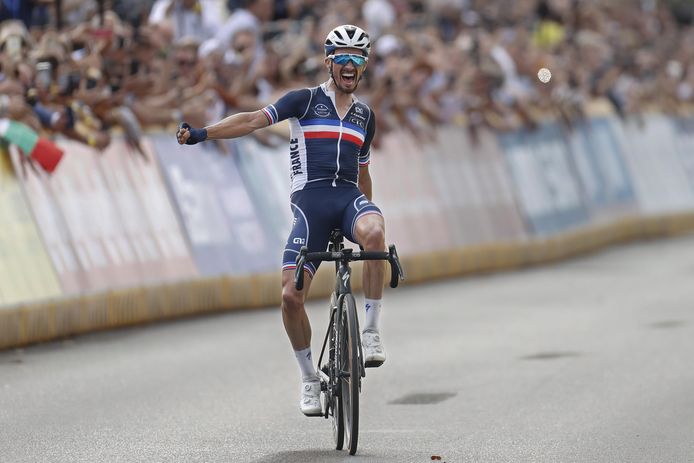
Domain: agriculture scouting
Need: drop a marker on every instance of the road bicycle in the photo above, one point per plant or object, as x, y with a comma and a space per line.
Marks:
342, 373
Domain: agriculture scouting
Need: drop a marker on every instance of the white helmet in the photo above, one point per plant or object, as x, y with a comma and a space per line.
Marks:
347, 36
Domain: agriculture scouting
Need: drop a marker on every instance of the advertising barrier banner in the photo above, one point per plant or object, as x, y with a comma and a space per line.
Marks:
265, 171
546, 186
660, 181
404, 190
222, 224
599, 160
149, 221
52, 221
95, 213
684, 144
26, 272
449, 164
478, 186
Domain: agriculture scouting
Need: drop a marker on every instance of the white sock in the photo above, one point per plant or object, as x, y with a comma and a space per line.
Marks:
373, 313
308, 371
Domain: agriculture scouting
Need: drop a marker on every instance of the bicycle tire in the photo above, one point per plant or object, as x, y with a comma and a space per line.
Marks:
335, 402
349, 393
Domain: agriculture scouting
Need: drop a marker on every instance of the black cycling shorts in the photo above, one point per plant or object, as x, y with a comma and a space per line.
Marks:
317, 212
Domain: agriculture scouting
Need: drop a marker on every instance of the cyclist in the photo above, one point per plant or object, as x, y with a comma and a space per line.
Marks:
329, 149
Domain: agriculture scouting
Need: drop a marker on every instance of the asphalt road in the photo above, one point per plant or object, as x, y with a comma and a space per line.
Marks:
590, 360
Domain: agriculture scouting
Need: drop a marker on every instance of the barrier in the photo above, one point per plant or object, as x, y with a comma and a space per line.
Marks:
264, 171
598, 158
479, 186
683, 140
192, 230
221, 222
105, 219
546, 188
26, 272
660, 181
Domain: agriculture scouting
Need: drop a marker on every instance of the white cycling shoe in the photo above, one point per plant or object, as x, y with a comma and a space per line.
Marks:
374, 353
310, 398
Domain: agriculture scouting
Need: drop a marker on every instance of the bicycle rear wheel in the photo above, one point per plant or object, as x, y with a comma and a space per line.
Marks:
351, 369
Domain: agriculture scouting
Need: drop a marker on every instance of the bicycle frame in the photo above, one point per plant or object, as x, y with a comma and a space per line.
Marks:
343, 275
343, 383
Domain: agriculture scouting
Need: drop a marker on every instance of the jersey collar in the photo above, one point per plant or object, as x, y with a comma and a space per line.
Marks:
325, 86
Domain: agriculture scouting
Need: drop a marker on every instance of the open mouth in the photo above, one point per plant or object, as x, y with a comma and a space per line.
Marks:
348, 77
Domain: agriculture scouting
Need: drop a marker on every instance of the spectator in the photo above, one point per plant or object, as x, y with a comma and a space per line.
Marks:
469, 62
249, 17
184, 18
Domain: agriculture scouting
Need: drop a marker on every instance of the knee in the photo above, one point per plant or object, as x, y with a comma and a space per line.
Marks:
292, 300
374, 237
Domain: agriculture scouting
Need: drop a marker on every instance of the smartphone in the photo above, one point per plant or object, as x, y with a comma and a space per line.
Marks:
44, 74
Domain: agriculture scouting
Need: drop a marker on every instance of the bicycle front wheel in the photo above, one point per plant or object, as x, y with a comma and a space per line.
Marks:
335, 386
351, 372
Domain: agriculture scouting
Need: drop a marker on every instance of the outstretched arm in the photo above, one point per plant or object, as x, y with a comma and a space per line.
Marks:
236, 125
293, 104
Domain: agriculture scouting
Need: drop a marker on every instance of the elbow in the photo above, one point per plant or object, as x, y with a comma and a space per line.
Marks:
257, 120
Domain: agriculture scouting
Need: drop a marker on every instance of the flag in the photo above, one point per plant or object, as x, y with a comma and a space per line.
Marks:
41, 150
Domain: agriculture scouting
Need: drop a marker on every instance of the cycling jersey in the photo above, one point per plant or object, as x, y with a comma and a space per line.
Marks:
324, 149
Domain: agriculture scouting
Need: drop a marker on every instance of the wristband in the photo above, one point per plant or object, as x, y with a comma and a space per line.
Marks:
196, 136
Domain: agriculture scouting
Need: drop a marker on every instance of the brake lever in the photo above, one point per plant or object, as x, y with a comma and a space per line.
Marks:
396, 271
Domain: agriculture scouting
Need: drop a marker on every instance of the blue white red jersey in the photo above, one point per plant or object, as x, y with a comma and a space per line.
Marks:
324, 148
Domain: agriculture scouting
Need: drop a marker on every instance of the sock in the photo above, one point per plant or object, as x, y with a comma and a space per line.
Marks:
373, 312
308, 371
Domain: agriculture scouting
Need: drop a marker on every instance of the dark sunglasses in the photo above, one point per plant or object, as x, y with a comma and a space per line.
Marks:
343, 59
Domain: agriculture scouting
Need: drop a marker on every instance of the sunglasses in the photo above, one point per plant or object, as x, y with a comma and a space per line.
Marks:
343, 59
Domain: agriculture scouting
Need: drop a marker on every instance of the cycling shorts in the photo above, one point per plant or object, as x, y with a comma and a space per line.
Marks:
317, 212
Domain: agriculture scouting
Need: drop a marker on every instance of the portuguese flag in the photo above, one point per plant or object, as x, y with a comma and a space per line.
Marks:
41, 150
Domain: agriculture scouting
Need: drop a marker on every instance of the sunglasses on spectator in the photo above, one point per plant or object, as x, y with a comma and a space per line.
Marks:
343, 59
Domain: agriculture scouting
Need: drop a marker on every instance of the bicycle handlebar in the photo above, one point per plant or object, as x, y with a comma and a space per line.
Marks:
349, 255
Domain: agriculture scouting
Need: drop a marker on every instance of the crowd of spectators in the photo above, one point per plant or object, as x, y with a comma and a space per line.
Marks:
92, 65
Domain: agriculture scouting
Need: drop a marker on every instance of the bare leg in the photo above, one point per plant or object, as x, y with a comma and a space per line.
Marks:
299, 331
370, 233
294, 316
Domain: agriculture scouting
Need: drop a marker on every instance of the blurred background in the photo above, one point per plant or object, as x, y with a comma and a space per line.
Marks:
510, 133
513, 124
99, 64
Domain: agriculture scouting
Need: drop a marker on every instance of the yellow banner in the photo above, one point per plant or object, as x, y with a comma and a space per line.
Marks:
26, 272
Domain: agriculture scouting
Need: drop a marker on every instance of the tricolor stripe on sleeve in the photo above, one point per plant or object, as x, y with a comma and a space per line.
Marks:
271, 114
